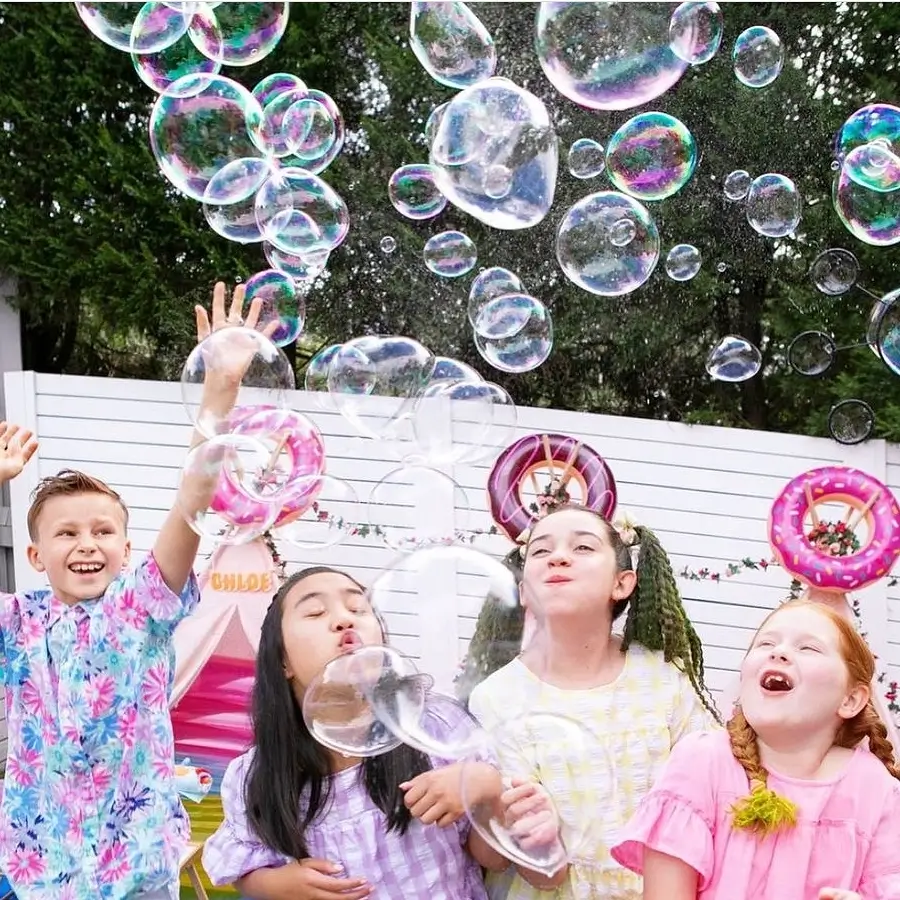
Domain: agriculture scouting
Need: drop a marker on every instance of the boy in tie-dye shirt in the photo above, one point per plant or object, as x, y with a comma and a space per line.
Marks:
90, 809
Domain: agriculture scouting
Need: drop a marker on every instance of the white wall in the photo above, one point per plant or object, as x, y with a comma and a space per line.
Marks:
706, 491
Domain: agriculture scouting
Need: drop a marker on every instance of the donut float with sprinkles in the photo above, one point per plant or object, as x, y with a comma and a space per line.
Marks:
828, 555
567, 461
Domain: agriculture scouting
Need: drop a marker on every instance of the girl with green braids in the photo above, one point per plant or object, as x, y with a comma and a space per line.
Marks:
635, 695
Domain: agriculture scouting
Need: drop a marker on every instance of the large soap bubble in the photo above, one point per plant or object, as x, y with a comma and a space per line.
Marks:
773, 205
495, 155
871, 216
247, 32
652, 156
871, 123
451, 44
607, 55
202, 124
608, 244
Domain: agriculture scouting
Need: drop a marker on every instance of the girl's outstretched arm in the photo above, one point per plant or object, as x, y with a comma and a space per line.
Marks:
668, 878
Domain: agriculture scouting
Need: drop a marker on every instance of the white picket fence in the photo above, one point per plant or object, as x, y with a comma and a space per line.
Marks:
706, 491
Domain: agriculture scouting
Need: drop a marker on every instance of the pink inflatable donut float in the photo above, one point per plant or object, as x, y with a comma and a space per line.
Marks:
297, 436
867, 500
566, 459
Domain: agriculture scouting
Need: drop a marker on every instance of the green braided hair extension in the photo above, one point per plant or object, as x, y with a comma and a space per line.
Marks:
656, 616
497, 639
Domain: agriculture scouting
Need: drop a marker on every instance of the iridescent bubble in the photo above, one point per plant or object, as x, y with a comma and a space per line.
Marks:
451, 44
157, 26
505, 316
695, 31
414, 193
883, 333
683, 262
489, 284
302, 267
607, 55
587, 253
388, 244
497, 124
448, 370
758, 56
733, 359
434, 122
851, 422
274, 113
721, 267
274, 85
871, 123
280, 305
874, 166
587, 158
524, 350
322, 143
161, 70
208, 122
834, 272
394, 369
871, 216
450, 254
651, 157
773, 205
309, 129
229, 201
622, 233
298, 212
316, 376
111, 22
737, 184
249, 32
811, 353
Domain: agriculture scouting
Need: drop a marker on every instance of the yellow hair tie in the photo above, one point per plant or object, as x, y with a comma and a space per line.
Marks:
764, 812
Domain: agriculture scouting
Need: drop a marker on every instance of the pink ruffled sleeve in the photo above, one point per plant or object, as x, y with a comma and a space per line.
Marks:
678, 816
235, 850
881, 872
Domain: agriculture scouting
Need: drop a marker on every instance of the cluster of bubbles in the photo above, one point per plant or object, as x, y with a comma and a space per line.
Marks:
268, 462
370, 699
772, 203
252, 158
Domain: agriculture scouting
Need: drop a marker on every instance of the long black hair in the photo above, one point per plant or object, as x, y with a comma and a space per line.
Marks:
288, 784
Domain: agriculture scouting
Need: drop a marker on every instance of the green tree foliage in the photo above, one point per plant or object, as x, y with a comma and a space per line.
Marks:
110, 258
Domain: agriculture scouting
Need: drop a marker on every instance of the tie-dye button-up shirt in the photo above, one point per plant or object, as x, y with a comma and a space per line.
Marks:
90, 810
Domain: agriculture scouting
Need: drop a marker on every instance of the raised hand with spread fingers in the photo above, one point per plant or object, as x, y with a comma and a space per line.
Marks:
17, 446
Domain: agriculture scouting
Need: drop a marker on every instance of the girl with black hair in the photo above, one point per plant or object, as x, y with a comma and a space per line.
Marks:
305, 823
635, 695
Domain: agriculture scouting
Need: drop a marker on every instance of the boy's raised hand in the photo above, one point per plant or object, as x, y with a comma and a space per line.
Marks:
17, 446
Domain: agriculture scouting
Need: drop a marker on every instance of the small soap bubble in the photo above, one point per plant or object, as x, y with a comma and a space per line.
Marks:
758, 57
851, 422
388, 244
811, 353
737, 184
733, 359
721, 267
281, 305
528, 330
834, 272
450, 254
622, 233
414, 193
773, 205
683, 262
490, 284
587, 158
695, 31
651, 157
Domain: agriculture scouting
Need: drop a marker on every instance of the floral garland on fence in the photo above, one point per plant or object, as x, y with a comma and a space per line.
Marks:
732, 569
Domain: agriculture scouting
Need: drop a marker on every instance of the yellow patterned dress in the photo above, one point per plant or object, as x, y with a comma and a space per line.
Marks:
630, 727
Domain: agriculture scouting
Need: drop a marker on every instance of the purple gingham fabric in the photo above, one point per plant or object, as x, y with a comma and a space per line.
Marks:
426, 863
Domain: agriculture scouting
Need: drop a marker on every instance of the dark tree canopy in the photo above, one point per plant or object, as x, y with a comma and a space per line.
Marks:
110, 259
